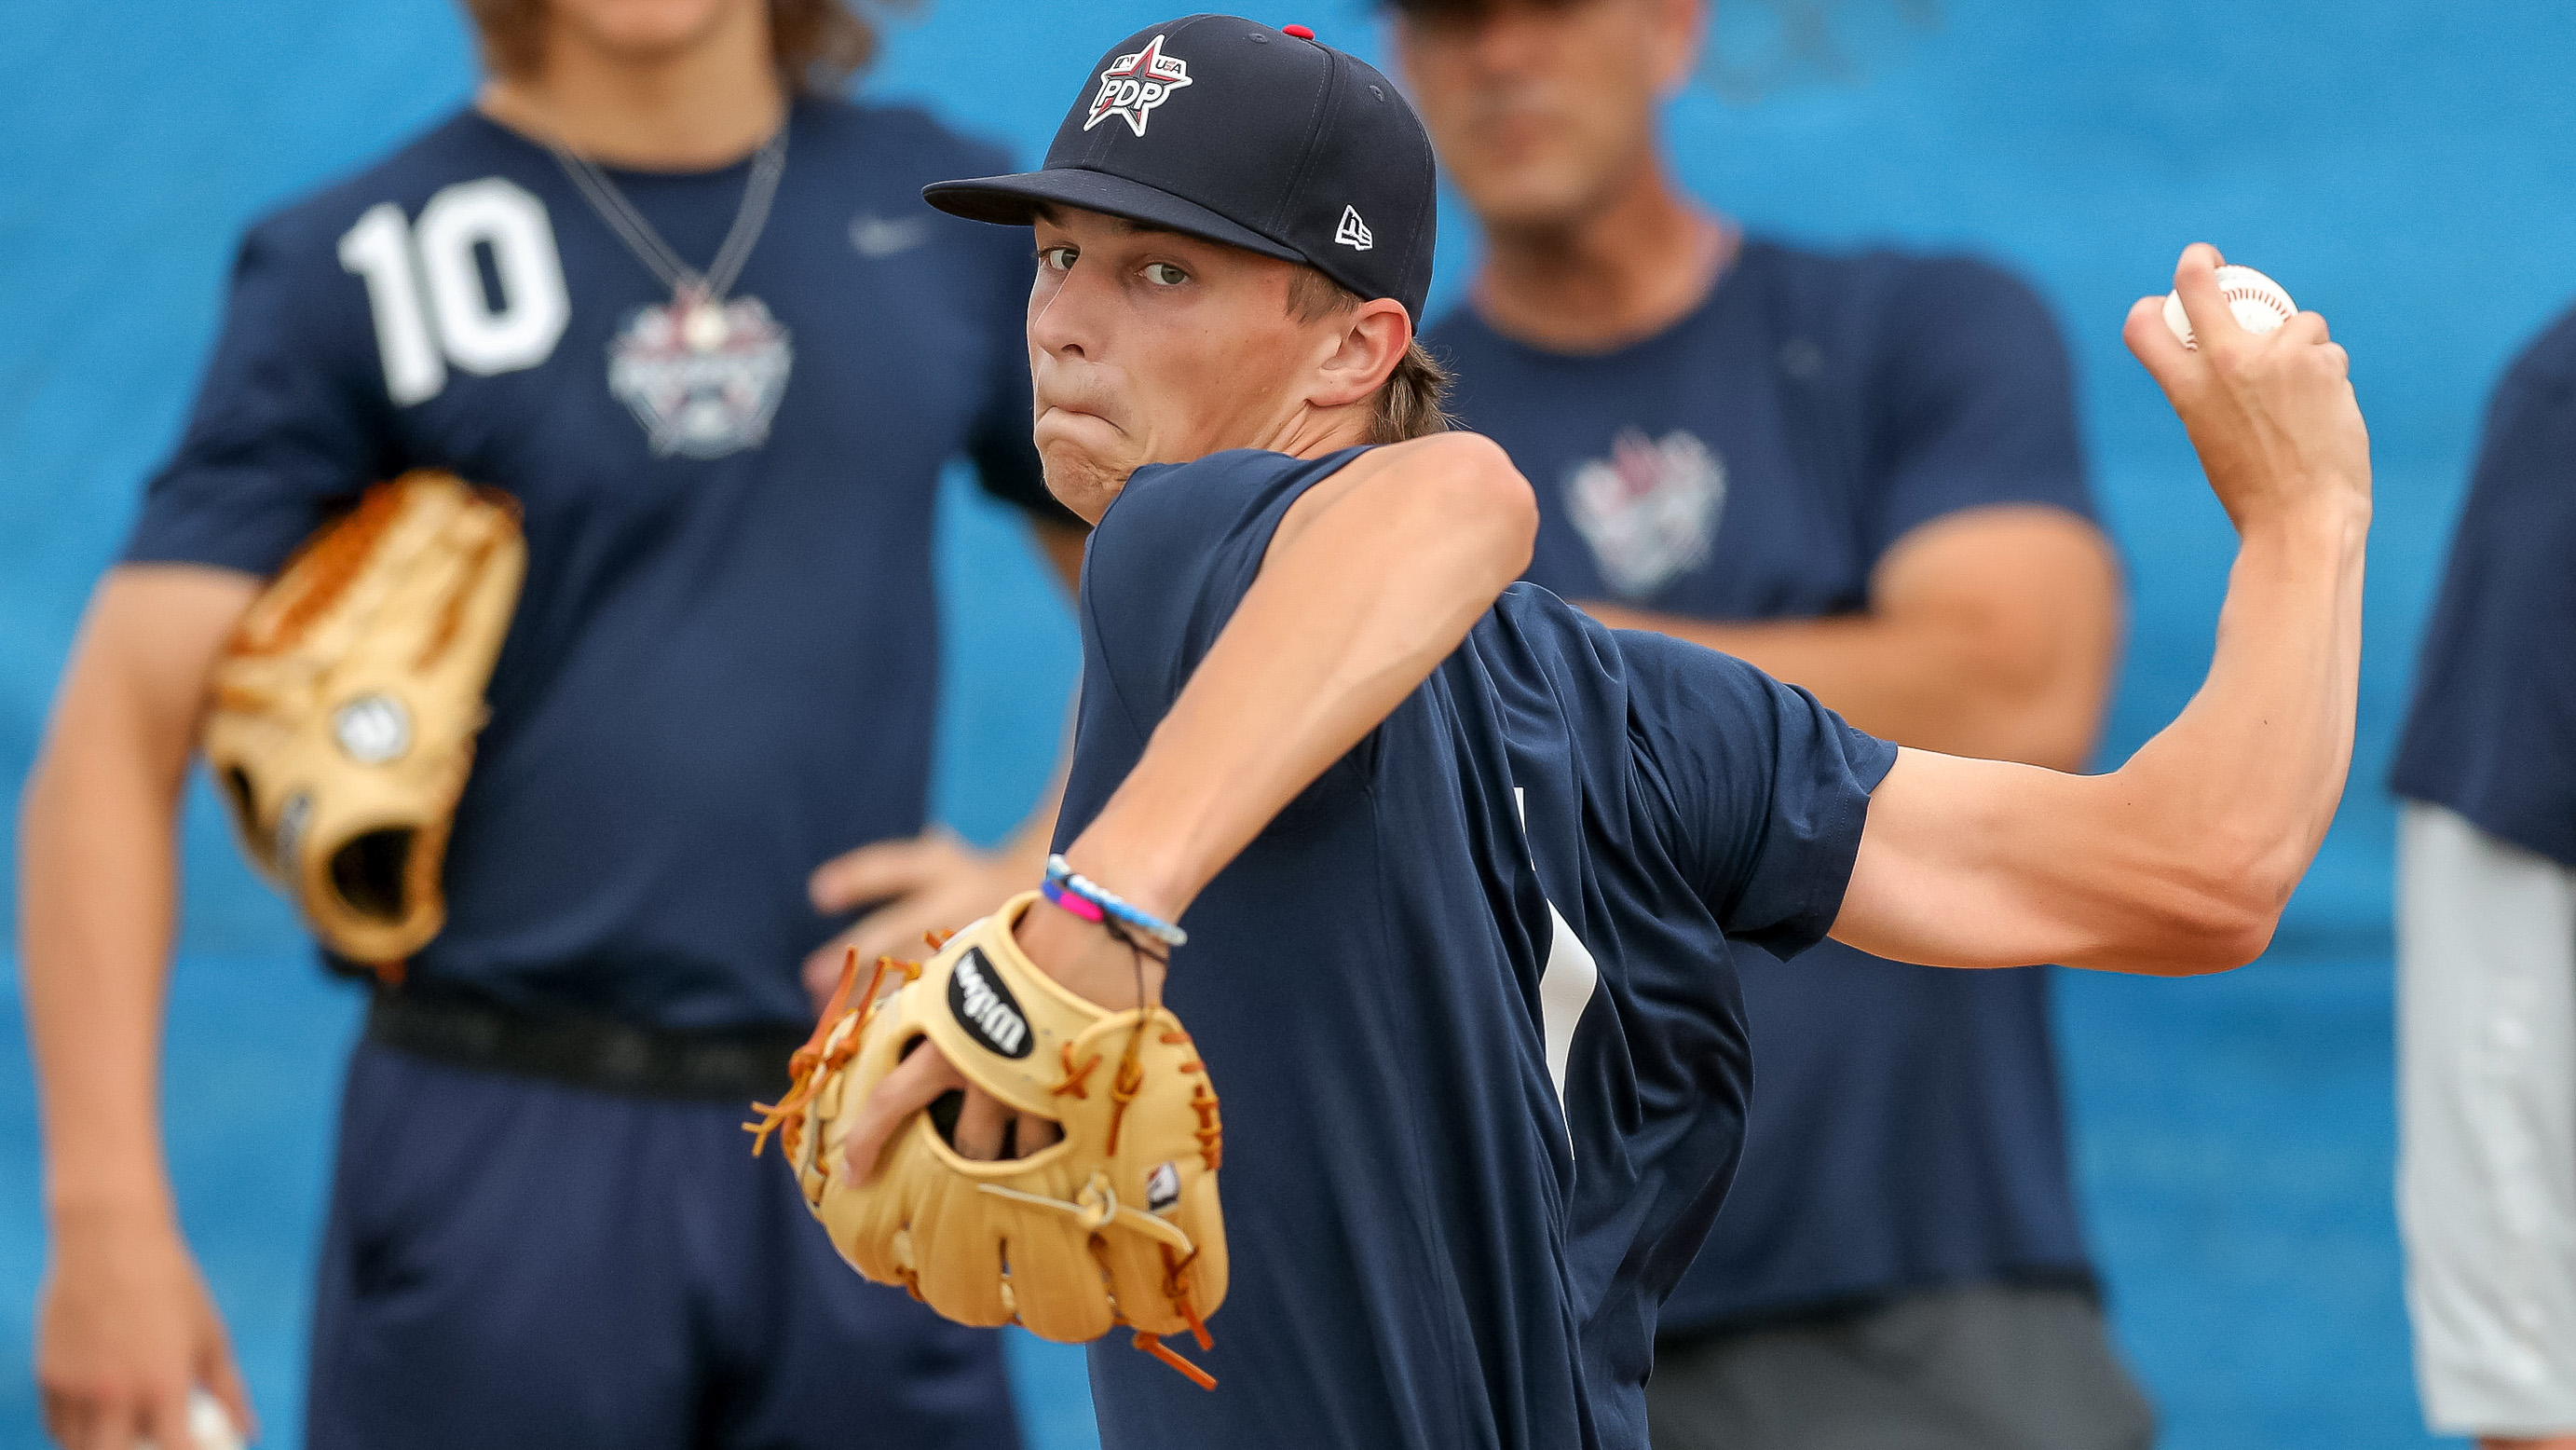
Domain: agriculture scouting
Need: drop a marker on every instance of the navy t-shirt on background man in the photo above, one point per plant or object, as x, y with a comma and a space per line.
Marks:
1755, 461
2492, 732
1470, 1000
723, 665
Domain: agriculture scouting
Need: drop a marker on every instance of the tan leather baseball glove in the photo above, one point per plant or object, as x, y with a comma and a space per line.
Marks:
346, 704
1115, 1224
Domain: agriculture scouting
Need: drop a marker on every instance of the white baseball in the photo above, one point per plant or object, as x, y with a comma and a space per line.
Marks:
208, 1425
2258, 302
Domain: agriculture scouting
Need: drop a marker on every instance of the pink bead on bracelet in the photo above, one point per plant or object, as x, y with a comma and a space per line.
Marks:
1083, 907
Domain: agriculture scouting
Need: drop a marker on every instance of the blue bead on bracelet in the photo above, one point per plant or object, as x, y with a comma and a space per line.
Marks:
1063, 880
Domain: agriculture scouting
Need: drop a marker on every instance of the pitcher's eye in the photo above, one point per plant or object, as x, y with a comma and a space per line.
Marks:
1164, 274
1056, 259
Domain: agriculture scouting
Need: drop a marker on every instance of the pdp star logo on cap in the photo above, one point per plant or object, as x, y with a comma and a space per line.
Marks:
1288, 148
1135, 84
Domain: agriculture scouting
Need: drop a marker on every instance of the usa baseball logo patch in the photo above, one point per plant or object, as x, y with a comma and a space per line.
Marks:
1649, 510
1135, 84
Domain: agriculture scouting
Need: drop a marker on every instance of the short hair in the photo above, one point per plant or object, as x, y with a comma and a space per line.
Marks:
818, 44
1409, 401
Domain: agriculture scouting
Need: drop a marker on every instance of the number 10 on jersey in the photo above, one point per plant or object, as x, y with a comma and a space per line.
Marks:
426, 286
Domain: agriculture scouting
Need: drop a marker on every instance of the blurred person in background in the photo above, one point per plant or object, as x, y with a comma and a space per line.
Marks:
688, 310
2487, 937
1861, 474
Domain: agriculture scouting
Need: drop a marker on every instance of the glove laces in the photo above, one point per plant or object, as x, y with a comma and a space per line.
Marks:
814, 1061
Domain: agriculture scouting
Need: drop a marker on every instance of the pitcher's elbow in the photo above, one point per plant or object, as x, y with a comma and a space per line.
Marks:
2229, 910
2238, 941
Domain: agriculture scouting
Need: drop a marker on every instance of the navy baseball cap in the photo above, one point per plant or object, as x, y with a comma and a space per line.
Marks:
1220, 128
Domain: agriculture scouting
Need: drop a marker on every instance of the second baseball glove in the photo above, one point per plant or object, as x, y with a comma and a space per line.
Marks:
1115, 1224
347, 701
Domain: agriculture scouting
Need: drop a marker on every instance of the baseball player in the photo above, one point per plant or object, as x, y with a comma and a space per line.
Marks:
688, 312
2487, 938
1464, 875
1859, 473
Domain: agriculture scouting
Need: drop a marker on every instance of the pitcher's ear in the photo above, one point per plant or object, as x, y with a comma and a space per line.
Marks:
1374, 336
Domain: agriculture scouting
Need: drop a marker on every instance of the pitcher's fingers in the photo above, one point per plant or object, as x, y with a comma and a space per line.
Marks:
914, 1084
1036, 1133
979, 1127
2308, 329
2152, 342
2196, 280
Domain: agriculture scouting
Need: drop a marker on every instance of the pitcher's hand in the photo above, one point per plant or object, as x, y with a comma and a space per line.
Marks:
1081, 956
2272, 414
125, 1329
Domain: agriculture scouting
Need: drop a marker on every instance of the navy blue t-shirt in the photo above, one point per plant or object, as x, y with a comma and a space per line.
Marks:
723, 665
2492, 733
1470, 1000
1752, 462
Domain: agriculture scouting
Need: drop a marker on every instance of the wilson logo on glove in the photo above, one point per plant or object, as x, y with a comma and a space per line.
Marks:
1115, 1224
985, 1008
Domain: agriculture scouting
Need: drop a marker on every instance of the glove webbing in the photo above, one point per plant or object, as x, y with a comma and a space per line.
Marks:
812, 1063
330, 563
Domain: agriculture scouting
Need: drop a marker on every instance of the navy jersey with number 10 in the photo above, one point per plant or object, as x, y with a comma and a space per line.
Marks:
1470, 999
723, 668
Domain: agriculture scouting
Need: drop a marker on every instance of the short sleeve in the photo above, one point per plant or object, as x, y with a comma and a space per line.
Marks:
1975, 403
2491, 733
291, 417
1769, 789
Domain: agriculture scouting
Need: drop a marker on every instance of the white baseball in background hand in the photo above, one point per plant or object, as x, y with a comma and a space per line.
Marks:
208, 1426
2258, 302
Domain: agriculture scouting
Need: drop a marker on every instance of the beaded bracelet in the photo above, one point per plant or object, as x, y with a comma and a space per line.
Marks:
1065, 885
1054, 891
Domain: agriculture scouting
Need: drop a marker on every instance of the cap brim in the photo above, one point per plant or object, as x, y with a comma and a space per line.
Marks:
1014, 201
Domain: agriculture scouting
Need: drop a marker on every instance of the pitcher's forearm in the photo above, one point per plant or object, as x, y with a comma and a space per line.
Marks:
2256, 763
2178, 862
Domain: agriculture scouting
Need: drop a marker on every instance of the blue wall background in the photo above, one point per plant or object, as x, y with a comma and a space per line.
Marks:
2400, 166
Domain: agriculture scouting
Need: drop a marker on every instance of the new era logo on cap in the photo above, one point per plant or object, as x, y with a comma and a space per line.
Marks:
1353, 232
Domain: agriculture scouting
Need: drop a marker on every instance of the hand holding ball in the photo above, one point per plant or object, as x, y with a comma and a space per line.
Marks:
2257, 301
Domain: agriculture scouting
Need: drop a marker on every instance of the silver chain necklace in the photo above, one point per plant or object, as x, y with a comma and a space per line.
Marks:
697, 298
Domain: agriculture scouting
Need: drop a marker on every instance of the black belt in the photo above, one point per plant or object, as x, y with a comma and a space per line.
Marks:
723, 1065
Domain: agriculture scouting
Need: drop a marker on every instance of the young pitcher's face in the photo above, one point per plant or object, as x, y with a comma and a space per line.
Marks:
1541, 108
1151, 347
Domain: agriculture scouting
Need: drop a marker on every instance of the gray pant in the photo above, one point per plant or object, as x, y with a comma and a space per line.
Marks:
1982, 1368
2486, 1128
